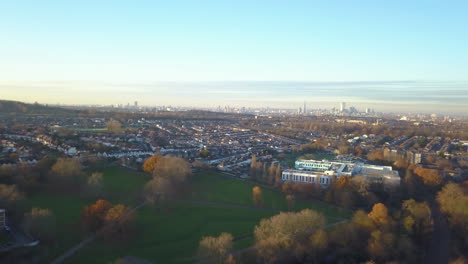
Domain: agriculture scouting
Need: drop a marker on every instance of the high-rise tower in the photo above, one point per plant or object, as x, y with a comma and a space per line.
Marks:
342, 106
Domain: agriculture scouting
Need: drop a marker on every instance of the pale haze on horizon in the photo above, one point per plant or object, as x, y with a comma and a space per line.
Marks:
391, 56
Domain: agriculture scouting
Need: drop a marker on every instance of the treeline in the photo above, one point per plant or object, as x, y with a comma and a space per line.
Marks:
296, 129
376, 236
453, 130
59, 176
14, 107
261, 172
381, 234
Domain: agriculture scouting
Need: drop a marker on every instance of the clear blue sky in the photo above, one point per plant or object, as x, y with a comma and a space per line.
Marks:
182, 41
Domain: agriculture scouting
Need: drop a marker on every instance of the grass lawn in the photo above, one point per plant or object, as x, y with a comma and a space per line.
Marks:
172, 236
67, 210
122, 185
215, 187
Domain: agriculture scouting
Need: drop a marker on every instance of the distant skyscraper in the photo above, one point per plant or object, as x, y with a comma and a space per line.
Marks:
136, 103
305, 108
343, 107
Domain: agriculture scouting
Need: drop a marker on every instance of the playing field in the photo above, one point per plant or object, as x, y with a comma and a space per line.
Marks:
170, 234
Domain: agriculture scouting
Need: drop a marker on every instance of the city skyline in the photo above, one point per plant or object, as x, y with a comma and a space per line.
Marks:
403, 96
396, 56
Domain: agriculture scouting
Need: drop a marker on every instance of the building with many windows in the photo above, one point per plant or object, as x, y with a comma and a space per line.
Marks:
324, 172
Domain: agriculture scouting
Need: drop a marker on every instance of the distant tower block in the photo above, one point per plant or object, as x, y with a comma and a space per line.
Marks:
343, 107
136, 103
2, 219
305, 108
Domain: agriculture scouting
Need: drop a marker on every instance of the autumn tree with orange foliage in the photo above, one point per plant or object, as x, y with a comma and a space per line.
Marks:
257, 196
118, 218
379, 215
453, 201
430, 177
375, 154
170, 175
150, 163
103, 213
93, 215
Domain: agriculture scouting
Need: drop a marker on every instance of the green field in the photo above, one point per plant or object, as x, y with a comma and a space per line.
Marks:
172, 236
169, 234
216, 187
121, 184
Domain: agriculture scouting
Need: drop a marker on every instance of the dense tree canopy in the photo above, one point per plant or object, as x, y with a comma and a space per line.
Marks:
284, 235
215, 249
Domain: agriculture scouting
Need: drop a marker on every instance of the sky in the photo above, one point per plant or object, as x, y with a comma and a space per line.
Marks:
390, 55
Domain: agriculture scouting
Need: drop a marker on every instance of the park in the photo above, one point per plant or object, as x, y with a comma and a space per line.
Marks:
168, 232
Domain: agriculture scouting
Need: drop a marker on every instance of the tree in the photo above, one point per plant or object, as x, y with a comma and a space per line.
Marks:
170, 175
375, 154
118, 218
175, 169
417, 219
291, 201
67, 170
430, 177
283, 236
453, 201
95, 178
204, 153
230, 259
114, 126
278, 179
40, 223
215, 249
363, 221
95, 184
101, 214
93, 215
379, 215
381, 245
150, 164
460, 260
254, 167
158, 189
272, 173
257, 196
10, 196
318, 242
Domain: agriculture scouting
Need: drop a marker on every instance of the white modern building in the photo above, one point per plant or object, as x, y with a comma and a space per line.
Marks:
307, 177
324, 172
